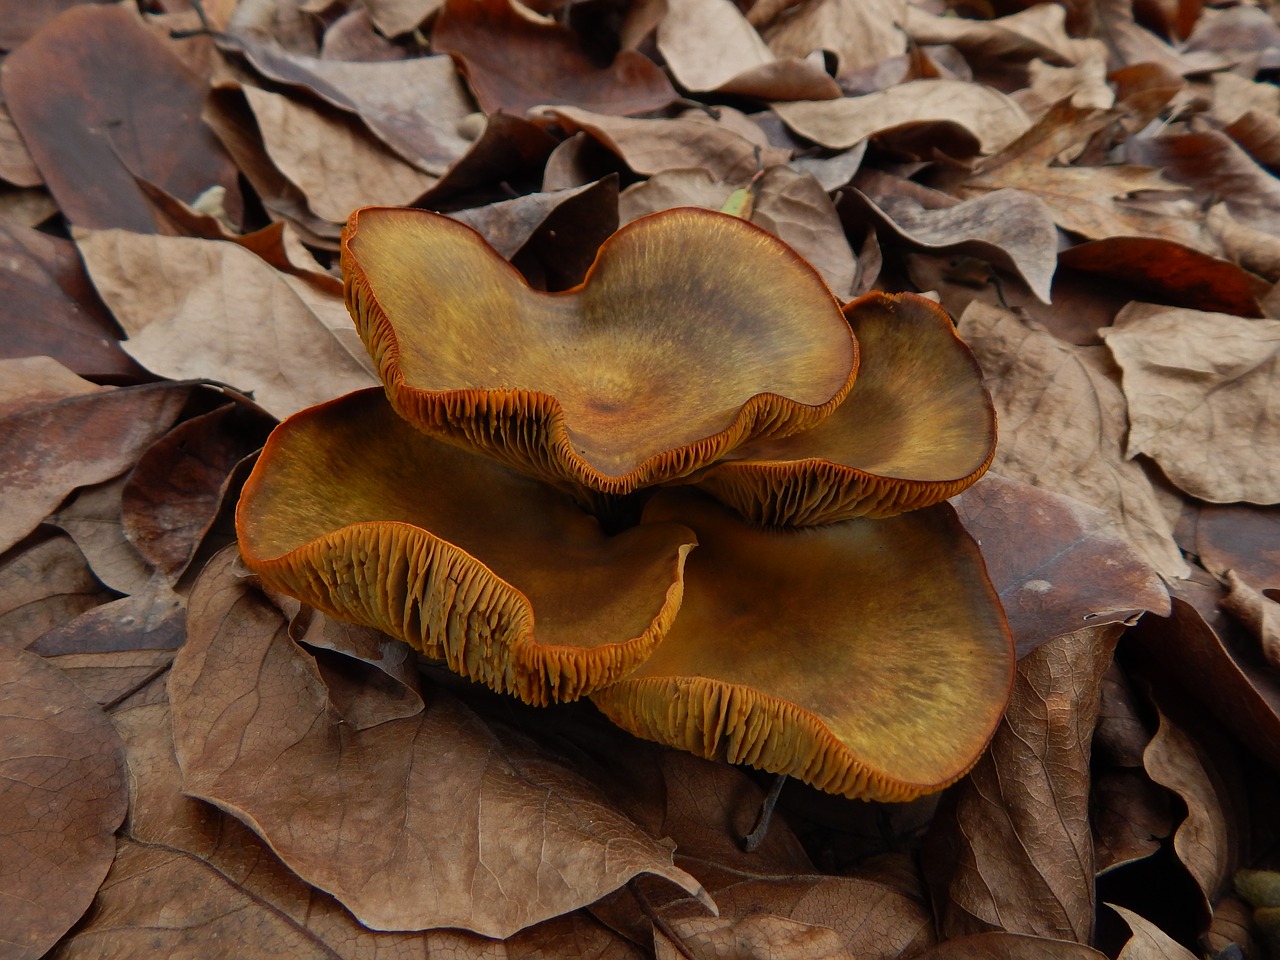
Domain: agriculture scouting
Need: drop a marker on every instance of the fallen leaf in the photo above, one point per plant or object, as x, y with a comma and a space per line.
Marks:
75, 93
1131, 818
42, 586
759, 936
353, 38
709, 46
508, 149
395, 17
117, 676
1062, 424
1037, 32
208, 308
64, 793
1011, 846
1008, 946
1241, 538
1212, 420
1149, 942
861, 33
356, 813
1257, 612
1202, 841
91, 516
1044, 551
49, 449
515, 61
29, 381
989, 116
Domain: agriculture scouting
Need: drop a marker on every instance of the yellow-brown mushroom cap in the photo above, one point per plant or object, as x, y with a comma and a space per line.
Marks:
353, 511
917, 428
869, 658
692, 332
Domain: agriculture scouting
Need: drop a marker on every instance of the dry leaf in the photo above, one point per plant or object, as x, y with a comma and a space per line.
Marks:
64, 793
1037, 32
1044, 552
208, 308
1211, 418
358, 813
861, 33
92, 518
1011, 846
1257, 612
1008, 946
759, 936
1149, 942
43, 586
48, 450
1131, 818
1062, 423
1242, 538
989, 116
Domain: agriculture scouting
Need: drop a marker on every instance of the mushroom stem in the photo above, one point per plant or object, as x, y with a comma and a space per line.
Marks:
752, 841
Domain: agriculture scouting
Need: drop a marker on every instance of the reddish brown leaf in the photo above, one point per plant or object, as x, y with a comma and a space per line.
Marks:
1257, 612
48, 450
1241, 538
51, 308
175, 491
29, 381
99, 100
151, 620
1043, 551
513, 62
63, 791
358, 812
1131, 817
1011, 846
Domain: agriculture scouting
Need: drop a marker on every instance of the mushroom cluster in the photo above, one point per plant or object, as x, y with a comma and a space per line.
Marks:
693, 488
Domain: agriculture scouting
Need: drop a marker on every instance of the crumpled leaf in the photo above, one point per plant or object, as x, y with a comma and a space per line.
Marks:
1062, 426
209, 308
1043, 551
433, 820
47, 450
513, 61
989, 116
1011, 846
1210, 418
64, 792
74, 94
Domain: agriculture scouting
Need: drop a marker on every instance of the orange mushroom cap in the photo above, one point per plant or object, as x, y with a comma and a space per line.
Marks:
353, 511
692, 332
869, 658
917, 428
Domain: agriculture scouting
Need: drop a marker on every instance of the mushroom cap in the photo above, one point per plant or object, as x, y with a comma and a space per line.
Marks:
353, 511
692, 332
867, 658
917, 428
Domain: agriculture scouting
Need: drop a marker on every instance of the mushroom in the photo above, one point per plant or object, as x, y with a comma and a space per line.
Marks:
354, 512
917, 428
869, 658
692, 332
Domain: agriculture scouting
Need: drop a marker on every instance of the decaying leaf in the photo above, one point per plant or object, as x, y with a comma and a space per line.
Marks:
1149, 942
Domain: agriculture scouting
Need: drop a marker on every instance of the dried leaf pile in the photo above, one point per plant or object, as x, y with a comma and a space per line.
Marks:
1088, 187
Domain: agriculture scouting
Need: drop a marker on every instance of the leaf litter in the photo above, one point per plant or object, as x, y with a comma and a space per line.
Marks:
1107, 242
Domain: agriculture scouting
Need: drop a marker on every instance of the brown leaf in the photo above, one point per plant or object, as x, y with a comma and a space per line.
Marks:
154, 619
513, 62
861, 33
117, 676
1241, 538
1165, 271
330, 156
1036, 33
759, 936
1043, 551
358, 812
1131, 818
63, 791
206, 308
51, 308
1062, 424
395, 17
177, 487
1011, 847
1257, 612
27, 382
1010, 228
1149, 942
1202, 399
1008, 946
989, 116
48, 450
42, 586
709, 46
92, 517
1202, 841
74, 93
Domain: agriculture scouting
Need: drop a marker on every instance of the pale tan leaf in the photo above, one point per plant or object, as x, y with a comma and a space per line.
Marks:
861, 33
1203, 392
1258, 612
1149, 942
1036, 32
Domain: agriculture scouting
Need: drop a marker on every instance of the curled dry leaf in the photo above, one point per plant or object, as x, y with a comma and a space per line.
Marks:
989, 116
513, 61
1011, 847
73, 92
1258, 612
1131, 817
1043, 552
359, 813
1149, 942
63, 791
1203, 841
49, 449
1038, 32
1062, 426
861, 33
210, 308
1212, 420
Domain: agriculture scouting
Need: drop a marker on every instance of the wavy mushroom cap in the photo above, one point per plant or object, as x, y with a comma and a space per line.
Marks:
692, 332
867, 658
353, 511
917, 428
